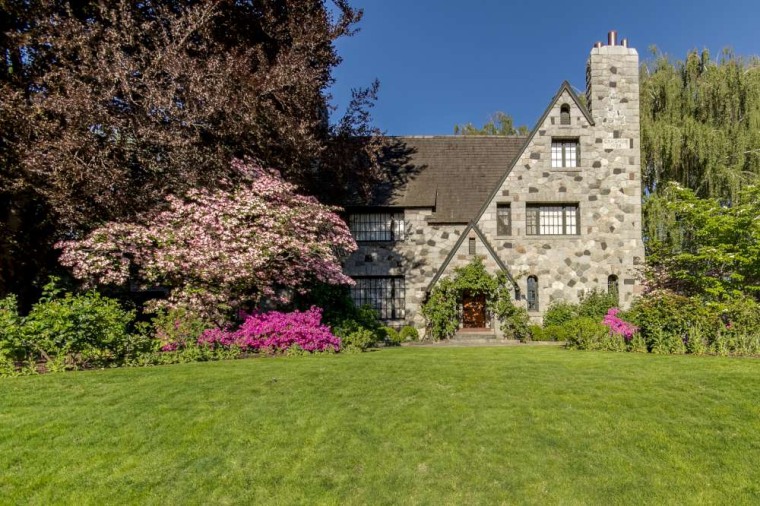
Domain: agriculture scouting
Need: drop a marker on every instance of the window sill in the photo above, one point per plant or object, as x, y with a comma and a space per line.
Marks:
567, 169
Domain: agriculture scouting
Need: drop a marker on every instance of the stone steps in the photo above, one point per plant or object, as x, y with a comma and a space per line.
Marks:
476, 336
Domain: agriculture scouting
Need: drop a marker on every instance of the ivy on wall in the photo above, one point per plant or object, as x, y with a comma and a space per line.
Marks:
441, 309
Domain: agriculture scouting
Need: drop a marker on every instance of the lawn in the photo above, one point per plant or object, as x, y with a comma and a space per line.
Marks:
411, 425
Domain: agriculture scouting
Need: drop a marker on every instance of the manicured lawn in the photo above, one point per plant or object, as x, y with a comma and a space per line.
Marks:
414, 426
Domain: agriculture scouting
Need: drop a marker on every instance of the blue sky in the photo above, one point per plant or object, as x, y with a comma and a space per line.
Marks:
446, 62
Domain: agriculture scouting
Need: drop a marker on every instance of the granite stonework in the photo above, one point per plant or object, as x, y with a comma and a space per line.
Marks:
418, 258
606, 186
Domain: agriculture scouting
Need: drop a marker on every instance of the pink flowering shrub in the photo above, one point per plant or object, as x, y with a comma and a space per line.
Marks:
276, 331
619, 326
215, 249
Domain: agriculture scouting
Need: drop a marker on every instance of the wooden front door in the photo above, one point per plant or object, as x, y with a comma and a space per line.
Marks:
474, 311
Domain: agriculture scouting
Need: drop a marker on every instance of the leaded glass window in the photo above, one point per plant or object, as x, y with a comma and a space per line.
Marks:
386, 295
552, 219
503, 219
565, 153
377, 226
532, 295
612, 286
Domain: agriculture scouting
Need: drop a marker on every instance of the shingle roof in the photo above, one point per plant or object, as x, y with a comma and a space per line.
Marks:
453, 174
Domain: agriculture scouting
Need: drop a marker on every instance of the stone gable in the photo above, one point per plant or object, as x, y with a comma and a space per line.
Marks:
604, 185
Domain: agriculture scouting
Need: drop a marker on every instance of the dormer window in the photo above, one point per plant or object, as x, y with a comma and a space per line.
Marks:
564, 114
379, 227
565, 153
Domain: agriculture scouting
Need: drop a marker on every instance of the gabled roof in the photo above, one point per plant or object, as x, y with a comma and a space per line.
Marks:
569, 89
489, 248
565, 87
452, 174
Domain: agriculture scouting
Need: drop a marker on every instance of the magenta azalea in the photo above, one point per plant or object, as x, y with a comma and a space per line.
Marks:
619, 326
276, 331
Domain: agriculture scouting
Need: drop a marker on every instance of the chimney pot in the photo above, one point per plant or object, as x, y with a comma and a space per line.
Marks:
624, 42
598, 44
612, 38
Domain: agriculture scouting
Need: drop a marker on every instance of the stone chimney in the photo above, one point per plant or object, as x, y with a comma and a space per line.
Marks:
612, 87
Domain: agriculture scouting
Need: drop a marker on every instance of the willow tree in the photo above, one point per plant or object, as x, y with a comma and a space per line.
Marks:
700, 126
500, 123
700, 123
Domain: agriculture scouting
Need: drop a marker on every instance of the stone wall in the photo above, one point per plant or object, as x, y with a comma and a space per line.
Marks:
606, 185
418, 258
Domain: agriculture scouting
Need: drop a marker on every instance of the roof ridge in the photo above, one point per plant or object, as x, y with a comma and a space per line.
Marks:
565, 86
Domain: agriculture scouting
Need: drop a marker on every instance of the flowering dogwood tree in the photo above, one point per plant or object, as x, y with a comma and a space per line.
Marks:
218, 249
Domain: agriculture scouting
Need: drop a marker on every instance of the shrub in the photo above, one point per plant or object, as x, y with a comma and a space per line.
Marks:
513, 320
665, 313
183, 356
409, 333
548, 333
672, 323
275, 331
11, 347
537, 333
637, 344
594, 304
391, 336
589, 334
618, 326
87, 328
740, 314
178, 328
555, 332
365, 319
361, 318
359, 340
559, 313
440, 310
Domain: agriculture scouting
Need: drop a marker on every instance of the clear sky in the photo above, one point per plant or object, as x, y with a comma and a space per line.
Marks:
443, 62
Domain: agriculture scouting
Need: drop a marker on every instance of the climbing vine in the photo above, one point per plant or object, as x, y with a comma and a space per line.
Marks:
441, 309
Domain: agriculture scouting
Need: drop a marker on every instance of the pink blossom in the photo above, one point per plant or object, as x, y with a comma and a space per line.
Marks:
618, 326
215, 249
276, 331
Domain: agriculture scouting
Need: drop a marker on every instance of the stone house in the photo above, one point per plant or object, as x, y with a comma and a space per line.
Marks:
559, 210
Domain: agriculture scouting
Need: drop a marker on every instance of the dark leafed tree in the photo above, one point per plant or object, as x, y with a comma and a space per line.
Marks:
107, 106
500, 123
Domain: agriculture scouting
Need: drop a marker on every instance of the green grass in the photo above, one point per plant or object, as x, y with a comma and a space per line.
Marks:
411, 425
